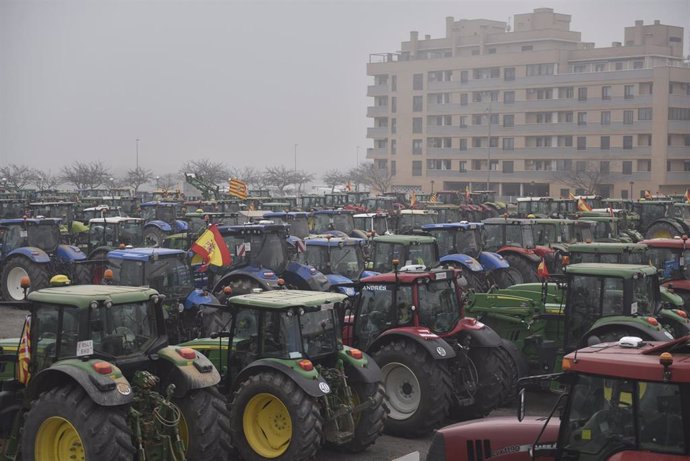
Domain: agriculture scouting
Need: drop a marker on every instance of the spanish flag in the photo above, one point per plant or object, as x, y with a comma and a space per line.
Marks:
542, 270
647, 194
468, 194
212, 249
582, 205
433, 198
413, 199
24, 353
687, 195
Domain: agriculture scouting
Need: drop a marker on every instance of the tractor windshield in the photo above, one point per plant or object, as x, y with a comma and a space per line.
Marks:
131, 234
148, 213
299, 227
412, 221
668, 261
45, 236
319, 335
269, 251
603, 230
347, 261
546, 234
645, 296
438, 306
608, 415
170, 276
123, 329
415, 253
165, 213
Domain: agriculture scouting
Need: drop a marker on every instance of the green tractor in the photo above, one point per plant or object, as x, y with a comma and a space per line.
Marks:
608, 252
93, 378
291, 383
589, 304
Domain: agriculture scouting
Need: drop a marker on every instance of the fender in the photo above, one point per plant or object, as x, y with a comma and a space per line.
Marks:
358, 233
198, 297
681, 285
480, 334
368, 273
436, 346
33, 253
529, 254
101, 249
341, 284
680, 326
105, 390
492, 261
305, 277
655, 334
677, 225
70, 253
310, 382
267, 282
187, 374
162, 225
181, 226
466, 261
671, 299
364, 370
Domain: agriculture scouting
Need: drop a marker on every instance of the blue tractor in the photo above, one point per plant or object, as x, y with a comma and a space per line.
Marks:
160, 221
340, 223
460, 244
31, 248
297, 220
170, 273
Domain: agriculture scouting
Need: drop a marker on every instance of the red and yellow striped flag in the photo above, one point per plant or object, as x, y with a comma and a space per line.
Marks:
238, 189
24, 353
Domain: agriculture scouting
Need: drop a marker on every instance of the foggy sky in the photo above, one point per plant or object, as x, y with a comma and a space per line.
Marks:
234, 81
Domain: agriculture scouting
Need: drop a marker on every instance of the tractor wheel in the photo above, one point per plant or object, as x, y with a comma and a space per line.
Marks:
497, 374
82, 275
239, 285
518, 368
13, 272
272, 417
64, 424
205, 425
477, 281
662, 230
417, 388
153, 236
527, 270
506, 278
368, 423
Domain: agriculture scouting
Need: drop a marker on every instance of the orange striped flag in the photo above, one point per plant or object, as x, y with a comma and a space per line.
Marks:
24, 353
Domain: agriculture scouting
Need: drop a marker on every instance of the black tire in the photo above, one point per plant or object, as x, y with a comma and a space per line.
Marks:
433, 385
307, 424
662, 230
518, 367
11, 274
103, 431
506, 278
240, 286
153, 236
496, 379
369, 423
476, 281
82, 274
527, 270
207, 422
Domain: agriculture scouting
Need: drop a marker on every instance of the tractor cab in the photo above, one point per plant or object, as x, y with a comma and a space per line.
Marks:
339, 222
502, 232
297, 220
414, 250
336, 200
160, 221
374, 223
113, 232
380, 204
445, 213
408, 221
537, 207
340, 259
311, 202
198, 221
11, 208
672, 258
605, 228
100, 211
608, 252
42, 233
65, 212
457, 237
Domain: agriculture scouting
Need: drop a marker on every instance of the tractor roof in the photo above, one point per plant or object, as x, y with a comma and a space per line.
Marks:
607, 247
114, 220
81, 296
642, 363
371, 215
283, 214
535, 199
143, 254
252, 229
625, 271
598, 217
666, 243
507, 221
51, 203
285, 299
8, 222
409, 277
333, 212
404, 239
453, 225
333, 241
553, 221
418, 212
159, 204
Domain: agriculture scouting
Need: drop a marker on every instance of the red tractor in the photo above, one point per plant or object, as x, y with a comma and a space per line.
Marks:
672, 258
435, 361
622, 401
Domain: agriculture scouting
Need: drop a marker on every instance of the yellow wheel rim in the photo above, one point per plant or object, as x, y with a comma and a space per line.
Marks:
267, 425
58, 440
183, 430
662, 234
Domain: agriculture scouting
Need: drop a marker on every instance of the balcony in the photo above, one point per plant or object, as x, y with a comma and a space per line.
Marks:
378, 132
377, 111
377, 90
678, 153
443, 130
678, 126
377, 152
678, 177
441, 173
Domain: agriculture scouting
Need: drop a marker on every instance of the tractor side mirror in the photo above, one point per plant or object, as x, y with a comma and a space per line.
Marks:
521, 404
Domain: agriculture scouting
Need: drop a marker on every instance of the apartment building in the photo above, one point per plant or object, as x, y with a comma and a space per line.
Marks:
533, 110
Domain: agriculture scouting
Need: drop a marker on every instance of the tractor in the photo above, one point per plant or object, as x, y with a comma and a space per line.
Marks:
672, 258
31, 247
297, 220
623, 400
418, 250
409, 221
372, 223
291, 383
607, 252
340, 223
311, 202
160, 221
514, 240
70, 228
435, 361
558, 235
93, 378
663, 218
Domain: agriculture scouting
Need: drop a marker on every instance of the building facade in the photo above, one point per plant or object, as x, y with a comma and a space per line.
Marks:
533, 111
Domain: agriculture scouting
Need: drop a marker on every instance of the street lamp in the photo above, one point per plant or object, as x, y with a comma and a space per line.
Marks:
488, 175
432, 186
158, 178
137, 149
632, 183
295, 157
357, 156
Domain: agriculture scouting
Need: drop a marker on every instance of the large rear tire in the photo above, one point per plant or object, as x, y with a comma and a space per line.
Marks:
477, 281
153, 236
662, 230
418, 389
496, 379
368, 423
527, 270
271, 417
64, 424
13, 272
205, 425
506, 278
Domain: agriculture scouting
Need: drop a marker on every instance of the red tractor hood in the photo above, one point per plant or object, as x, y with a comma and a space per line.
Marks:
500, 438
542, 250
682, 285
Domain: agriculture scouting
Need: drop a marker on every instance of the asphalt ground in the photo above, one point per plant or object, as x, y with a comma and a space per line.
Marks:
386, 448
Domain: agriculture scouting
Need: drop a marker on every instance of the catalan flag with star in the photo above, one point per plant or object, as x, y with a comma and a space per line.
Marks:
212, 249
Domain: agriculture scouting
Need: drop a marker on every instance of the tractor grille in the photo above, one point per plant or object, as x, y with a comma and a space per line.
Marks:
478, 450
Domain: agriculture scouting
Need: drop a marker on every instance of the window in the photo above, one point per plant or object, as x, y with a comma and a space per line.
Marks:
644, 113
629, 91
624, 193
508, 97
394, 125
463, 143
439, 142
477, 141
394, 104
492, 51
508, 120
582, 94
381, 164
564, 165
489, 72
678, 113
543, 141
638, 64
394, 169
579, 68
599, 67
439, 98
509, 73
565, 117
527, 48
627, 167
605, 92
380, 143
627, 142
476, 96
686, 140
545, 93
417, 103
605, 117
417, 125
394, 83
463, 121
565, 92
580, 166
463, 166
493, 141
507, 166
604, 167
416, 168
619, 65
605, 142
493, 165
582, 118
581, 142
508, 144
493, 119
544, 117
417, 147
394, 146
418, 82
464, 76
644, 165
463, 99
438, 164
565, 141
627, 117
540, 69
477, 119
440, 76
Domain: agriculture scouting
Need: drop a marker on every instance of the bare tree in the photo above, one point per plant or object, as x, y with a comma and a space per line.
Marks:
300, 178
137, 177
86, 175
16, 177
168, 182
254, 178
45, 180
211, 172
378, 179
587, 176
279, 177
357, 176
334, 177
